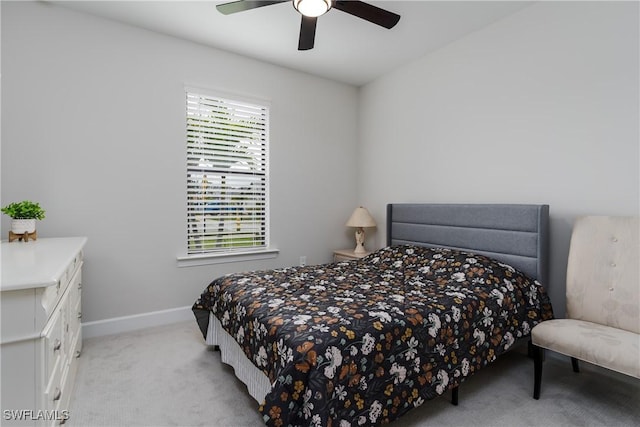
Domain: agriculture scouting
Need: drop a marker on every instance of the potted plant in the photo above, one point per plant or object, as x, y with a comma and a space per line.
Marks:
23, 216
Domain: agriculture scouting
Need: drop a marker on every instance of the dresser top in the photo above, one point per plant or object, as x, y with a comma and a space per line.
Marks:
37, 263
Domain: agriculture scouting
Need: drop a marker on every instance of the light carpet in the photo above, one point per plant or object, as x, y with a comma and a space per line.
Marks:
166, 376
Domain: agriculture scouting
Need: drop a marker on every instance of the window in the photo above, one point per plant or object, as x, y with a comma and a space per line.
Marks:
227, 174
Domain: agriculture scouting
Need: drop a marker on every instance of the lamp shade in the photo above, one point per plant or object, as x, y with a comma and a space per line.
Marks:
361, 218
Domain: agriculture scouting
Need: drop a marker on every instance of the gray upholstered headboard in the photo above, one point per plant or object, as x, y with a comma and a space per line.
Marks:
517, 235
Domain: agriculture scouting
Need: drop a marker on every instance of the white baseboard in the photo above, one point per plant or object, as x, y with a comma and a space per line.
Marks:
118, 325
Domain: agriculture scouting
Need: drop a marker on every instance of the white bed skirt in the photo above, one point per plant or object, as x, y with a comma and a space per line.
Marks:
256, 381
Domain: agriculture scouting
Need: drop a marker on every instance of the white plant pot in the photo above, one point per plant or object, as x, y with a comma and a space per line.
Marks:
21, 226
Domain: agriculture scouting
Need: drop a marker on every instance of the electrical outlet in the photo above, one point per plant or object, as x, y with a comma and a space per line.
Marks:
303, 261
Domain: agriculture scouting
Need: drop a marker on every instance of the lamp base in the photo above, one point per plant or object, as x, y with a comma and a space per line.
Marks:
359, 249
359, 241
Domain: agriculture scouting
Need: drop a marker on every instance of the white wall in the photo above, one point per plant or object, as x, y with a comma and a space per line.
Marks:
541, 107
93, 128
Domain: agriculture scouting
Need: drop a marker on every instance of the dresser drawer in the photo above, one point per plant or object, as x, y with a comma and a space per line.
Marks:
69, 272
52, 294
53, 390
74, 265
75, 329
50, 298
75, 288
76, 260
53, 341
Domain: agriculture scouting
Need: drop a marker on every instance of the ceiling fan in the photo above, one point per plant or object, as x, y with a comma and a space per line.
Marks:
312, 9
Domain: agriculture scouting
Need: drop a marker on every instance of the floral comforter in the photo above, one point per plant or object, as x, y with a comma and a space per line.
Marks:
362, 342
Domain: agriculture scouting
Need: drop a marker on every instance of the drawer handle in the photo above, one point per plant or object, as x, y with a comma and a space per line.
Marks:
79, 315
78, 353
57, 344
57, 394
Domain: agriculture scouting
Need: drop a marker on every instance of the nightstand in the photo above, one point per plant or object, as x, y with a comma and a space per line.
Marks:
347, 254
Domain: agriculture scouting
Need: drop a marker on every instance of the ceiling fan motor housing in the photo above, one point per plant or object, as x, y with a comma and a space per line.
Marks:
312, 8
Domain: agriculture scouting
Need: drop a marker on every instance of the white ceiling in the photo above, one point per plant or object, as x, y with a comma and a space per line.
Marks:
347, 48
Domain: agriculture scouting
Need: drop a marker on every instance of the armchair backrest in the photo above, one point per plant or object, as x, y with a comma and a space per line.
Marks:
603, 272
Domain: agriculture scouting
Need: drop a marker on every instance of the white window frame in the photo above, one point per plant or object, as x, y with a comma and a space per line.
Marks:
213, 160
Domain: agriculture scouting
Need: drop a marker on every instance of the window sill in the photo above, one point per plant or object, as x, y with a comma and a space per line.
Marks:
221, 258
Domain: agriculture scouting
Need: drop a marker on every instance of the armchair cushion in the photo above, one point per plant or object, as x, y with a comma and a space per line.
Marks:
612, 348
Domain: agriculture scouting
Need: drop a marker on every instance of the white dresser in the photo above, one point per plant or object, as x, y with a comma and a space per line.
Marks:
41, 335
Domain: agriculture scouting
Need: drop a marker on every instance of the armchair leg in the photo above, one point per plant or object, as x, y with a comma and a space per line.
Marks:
574, 363
537, 370
454, 396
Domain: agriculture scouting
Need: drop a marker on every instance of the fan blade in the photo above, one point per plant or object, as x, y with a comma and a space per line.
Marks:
307, 33
368, 12
242, 5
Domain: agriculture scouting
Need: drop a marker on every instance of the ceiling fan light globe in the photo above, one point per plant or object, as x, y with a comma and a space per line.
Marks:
312, 8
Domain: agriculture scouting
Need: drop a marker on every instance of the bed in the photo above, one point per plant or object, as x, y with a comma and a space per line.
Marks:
362, 342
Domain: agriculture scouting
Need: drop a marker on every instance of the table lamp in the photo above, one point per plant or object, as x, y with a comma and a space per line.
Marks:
360, 218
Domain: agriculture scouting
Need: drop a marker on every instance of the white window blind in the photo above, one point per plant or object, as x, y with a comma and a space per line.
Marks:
227, 179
